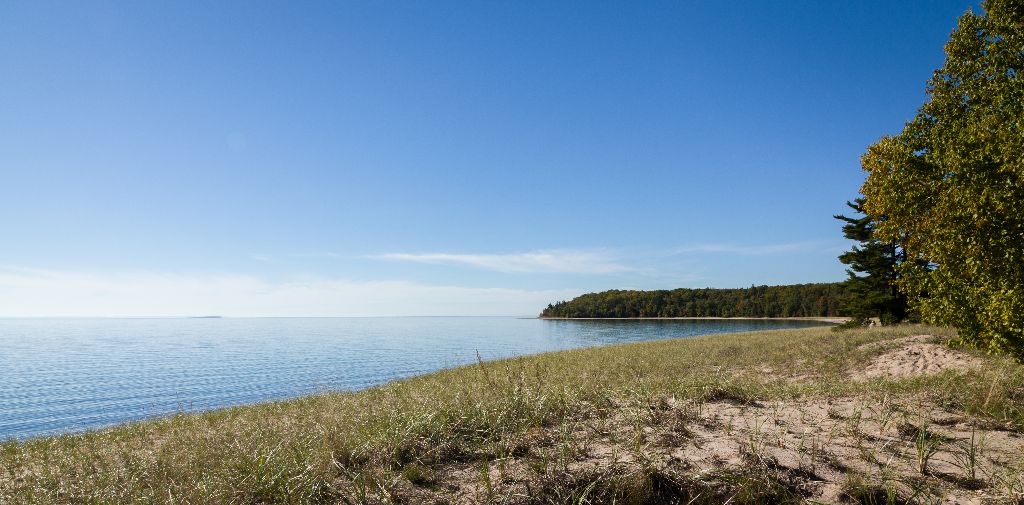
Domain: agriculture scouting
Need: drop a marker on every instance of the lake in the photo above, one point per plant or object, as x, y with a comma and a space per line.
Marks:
65, 375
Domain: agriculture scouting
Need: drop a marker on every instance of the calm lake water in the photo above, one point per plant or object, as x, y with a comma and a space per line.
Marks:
63, 375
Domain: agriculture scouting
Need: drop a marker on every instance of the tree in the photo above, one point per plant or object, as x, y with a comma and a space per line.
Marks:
871, 286
951, 185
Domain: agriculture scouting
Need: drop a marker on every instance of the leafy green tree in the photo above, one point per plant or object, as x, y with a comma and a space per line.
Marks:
871, 286
951, 185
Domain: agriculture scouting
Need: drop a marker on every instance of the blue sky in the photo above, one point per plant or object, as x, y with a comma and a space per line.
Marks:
435, 158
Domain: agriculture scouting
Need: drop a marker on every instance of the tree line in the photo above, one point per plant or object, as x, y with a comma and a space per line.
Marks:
798, 300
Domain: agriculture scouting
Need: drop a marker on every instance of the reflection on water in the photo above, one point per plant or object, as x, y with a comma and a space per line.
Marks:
60, 375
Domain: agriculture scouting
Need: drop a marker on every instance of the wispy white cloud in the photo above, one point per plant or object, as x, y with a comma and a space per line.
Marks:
755, 250
549, 261
35, 292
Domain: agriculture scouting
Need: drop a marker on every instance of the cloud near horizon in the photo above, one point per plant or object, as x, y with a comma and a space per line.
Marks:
562, 261
40, 293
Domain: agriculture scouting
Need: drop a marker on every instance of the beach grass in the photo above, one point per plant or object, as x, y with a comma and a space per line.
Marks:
620, 423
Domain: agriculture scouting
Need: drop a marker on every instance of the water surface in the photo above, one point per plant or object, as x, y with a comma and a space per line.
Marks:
63, 375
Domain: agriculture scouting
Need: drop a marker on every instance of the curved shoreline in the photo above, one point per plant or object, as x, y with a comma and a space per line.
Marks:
831, 320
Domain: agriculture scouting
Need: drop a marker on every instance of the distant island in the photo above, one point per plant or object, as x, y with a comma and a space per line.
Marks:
796, 300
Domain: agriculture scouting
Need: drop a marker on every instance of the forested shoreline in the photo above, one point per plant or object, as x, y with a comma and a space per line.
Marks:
796, 300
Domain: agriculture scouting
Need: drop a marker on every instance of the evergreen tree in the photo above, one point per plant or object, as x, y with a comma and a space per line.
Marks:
871, 287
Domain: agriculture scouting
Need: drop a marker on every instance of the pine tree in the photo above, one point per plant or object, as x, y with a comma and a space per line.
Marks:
871, 286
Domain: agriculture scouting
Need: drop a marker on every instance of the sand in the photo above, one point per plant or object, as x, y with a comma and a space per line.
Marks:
917, 355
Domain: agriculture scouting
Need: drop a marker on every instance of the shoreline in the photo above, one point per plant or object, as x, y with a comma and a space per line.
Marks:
831, 320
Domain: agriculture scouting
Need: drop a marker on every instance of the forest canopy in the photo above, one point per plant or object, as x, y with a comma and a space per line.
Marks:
797, 300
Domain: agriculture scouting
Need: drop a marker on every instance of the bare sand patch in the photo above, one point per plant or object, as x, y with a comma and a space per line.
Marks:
917, 355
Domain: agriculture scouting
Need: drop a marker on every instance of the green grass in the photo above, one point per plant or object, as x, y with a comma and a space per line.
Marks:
402, 440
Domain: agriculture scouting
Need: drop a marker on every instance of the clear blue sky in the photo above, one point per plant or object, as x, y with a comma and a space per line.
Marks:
408, 158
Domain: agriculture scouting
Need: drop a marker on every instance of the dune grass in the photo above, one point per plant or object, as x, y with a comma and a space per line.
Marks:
408, 441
